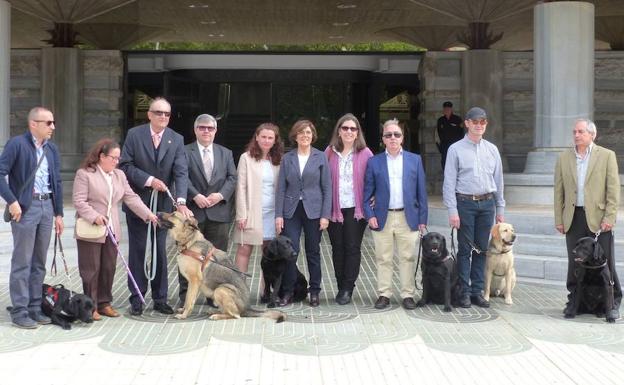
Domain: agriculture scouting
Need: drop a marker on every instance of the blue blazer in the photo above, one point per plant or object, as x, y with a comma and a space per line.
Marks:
139, 163
18, 161
314, 186
377, 185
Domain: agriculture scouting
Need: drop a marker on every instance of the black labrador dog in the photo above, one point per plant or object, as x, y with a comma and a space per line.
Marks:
594, 282
440, 279
64, 306
275, 257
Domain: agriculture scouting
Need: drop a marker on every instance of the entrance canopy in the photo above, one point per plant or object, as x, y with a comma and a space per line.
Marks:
431, 24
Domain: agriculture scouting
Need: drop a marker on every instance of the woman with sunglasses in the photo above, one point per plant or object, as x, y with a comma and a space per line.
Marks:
347, 155
98, 188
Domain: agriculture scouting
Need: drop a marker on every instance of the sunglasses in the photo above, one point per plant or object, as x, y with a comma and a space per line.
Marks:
389, 135
113, 158
206, 128
47, 122
482, 122
161, 113
347, 128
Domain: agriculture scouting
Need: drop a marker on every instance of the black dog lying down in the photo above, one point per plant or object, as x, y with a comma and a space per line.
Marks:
65, 306
440, 280
275, 258
594, 282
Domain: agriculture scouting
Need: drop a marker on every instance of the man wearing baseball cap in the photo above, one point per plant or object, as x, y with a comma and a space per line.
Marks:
473, 195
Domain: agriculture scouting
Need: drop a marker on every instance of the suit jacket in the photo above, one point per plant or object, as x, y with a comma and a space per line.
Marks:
377, 185
313, 186
90, 198
222, 180
18, 161
601, 188
138, 163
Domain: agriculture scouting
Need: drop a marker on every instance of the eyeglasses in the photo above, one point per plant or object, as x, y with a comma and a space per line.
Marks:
482, 122
161, 113
347, 128
47, 122
113, 158
206, 128
389, 135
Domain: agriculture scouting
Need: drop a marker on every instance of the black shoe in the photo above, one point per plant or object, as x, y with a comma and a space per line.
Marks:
382, 302
465, 302
479, 301
163, 308
343, 297
285, 300
409, 303
314, 300
136, 310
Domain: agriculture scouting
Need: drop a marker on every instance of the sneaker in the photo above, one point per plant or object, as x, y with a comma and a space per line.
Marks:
40, 318
25, 323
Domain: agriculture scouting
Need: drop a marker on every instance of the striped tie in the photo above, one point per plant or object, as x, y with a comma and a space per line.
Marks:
207, 164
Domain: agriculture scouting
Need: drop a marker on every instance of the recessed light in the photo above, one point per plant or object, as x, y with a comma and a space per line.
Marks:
336, 37
346, 6
198, 6
209, 22
216, 35
338, 24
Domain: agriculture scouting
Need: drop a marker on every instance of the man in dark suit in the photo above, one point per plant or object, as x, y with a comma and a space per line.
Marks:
33, 208
212, 182
153, 159
449, 131
395, 182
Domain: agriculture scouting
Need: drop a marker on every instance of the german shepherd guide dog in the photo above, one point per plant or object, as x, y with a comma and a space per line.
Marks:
210, 270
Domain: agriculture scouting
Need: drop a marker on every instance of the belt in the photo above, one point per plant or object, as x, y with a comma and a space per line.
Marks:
477, 198
42, 197
401, 209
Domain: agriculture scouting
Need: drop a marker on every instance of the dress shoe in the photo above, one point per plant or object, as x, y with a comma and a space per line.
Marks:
39, 317
343, 297
382, 302
136, 310
163, 308
479, 301
409, 303
285, 300
465, 302
96, 316
108, 311
314, 300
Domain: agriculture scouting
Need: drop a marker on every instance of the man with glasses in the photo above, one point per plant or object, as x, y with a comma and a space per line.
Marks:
473, 195
395, 205
212, 182
34, 194
153, 159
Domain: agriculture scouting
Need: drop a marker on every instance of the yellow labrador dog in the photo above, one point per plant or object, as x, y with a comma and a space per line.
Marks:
210, 271
500, 276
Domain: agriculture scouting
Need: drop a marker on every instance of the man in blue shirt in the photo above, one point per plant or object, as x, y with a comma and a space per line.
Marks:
32, 209
473, 194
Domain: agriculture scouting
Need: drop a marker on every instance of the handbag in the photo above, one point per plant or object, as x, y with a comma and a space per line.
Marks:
7, 214
88, 230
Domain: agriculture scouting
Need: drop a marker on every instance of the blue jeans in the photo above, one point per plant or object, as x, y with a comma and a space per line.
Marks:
476, 220
312, 234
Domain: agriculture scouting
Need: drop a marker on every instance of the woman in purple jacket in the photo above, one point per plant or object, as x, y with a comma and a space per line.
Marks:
347, 155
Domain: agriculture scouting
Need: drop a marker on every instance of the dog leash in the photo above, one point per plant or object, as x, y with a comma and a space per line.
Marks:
111, 236
53, 269
151, 253
418, 260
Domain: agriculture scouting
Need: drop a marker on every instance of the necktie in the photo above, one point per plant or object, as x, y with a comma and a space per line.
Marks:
207, 164
156, 140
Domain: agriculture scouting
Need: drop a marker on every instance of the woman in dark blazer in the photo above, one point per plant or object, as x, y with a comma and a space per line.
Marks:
303, 201
98, 188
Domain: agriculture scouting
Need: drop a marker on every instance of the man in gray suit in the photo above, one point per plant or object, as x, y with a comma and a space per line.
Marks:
153, 159
212, 182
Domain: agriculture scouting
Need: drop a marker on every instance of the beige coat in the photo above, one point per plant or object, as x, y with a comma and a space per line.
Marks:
249, 200
90, 198
601, 188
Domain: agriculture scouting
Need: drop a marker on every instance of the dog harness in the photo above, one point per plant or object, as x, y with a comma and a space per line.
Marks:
52, 296
203, 259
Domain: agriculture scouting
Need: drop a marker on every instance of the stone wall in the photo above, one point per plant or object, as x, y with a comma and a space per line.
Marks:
609, 102
25, 86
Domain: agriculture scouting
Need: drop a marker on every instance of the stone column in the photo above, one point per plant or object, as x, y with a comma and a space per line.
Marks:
564, 78
61, 92
482, 86
5, 72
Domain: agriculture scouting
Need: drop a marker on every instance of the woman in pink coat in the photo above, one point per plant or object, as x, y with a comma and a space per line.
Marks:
98, 188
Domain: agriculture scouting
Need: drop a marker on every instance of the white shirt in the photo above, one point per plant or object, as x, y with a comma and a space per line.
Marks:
582, 161
210, 152
395, 177
346, 196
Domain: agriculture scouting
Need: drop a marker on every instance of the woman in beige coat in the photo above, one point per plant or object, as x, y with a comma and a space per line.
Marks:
258, 169
98, 188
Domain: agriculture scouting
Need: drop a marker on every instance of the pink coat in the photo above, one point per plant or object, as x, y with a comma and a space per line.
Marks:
90, 198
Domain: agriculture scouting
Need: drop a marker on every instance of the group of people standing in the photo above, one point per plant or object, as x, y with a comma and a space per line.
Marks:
343, 189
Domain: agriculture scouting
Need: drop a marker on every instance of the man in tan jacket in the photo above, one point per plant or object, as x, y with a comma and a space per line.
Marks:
587, 193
